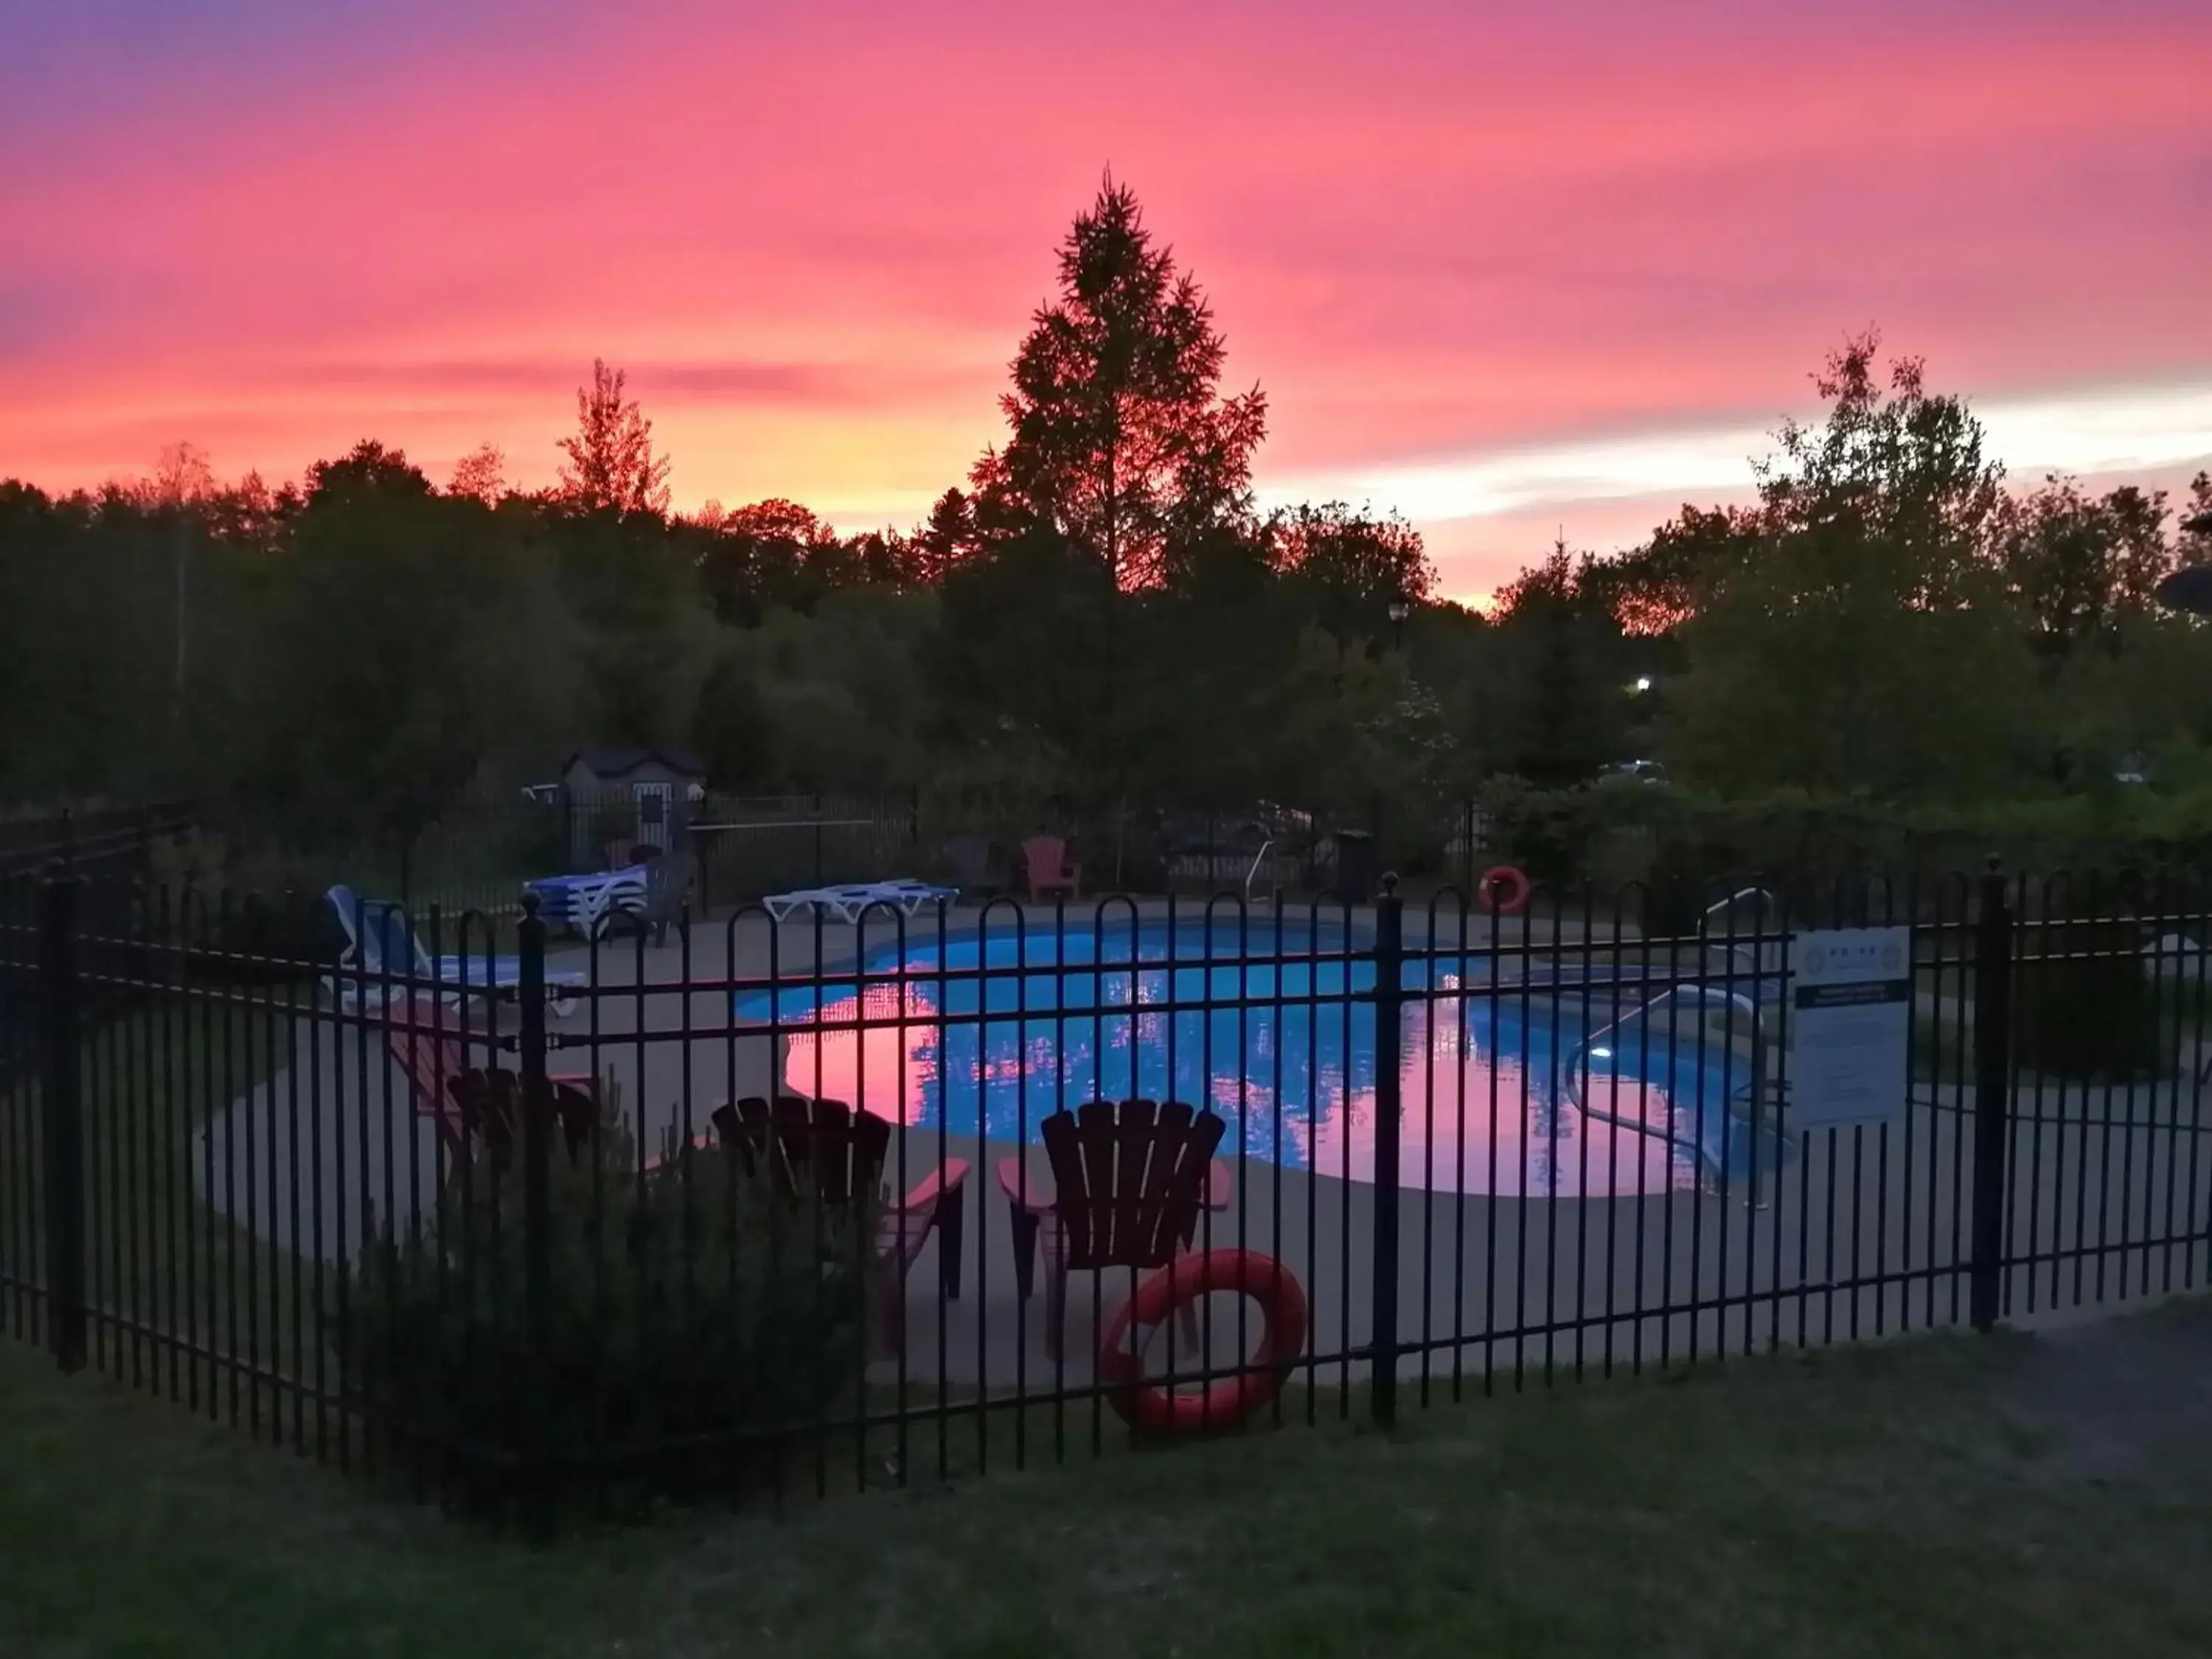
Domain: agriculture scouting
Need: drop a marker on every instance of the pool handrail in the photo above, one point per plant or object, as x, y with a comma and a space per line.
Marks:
1751, 1092
1253, 874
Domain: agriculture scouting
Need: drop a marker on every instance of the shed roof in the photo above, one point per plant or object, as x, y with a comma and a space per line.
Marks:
621, 762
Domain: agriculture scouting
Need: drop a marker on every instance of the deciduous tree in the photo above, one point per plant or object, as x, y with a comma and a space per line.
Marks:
480, 474
1863, 641
2077, 564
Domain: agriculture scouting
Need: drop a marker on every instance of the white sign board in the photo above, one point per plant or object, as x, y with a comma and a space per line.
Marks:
1850, 1005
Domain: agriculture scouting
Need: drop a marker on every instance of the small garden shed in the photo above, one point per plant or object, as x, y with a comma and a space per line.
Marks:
640, 795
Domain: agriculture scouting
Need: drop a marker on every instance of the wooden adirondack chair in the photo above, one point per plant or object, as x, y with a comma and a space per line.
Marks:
1128, 1181
971, 857
489, 1099
1049, 869
825, 1146
431, 1050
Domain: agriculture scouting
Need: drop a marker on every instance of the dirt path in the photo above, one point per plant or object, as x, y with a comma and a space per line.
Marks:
2126, 1400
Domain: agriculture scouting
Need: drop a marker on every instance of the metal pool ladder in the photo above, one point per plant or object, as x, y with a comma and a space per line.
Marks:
1253, 874
1758, 1094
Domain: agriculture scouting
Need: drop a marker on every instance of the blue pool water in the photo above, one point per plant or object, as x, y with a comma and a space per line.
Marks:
995, 1032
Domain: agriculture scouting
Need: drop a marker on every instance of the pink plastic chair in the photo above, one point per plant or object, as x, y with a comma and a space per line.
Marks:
1049, 869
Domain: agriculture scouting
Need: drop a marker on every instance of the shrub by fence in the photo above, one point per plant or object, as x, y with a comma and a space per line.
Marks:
666, 1319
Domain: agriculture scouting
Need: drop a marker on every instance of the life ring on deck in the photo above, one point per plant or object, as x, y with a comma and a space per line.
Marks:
1226, 1400
1504, 890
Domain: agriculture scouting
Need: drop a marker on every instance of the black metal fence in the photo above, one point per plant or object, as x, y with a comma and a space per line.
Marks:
479, 854
117, 840
511, 1215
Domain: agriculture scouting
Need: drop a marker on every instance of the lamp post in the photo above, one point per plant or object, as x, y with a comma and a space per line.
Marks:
1400, 610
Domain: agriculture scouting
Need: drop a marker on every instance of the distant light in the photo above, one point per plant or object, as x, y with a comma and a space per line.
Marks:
1643, 682
1400, 611
1600, 1053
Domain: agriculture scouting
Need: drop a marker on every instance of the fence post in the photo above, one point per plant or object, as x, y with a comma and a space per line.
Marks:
537, 1244
63, 1130
1993, 960
817, 838
913, 817
1389, 997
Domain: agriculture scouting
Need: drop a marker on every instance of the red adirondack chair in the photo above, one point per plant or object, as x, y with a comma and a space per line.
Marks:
1049, 869
429, 1048
1128, 1181
825, 1146
489, 1100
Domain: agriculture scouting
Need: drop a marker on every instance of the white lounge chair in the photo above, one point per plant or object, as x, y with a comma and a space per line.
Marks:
849, 903
384, 960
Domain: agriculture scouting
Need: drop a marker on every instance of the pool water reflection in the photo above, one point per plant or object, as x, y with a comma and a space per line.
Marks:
999, 1031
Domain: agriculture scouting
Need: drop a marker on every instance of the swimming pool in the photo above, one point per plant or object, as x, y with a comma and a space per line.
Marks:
1275, 1030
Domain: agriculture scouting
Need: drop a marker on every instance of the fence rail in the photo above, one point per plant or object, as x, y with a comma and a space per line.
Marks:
96, 840
512, 1217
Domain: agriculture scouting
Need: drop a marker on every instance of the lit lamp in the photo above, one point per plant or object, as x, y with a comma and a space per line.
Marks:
1400, 610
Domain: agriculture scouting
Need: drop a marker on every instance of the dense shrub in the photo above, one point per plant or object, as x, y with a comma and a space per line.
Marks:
1675, 893
2086, 1009
1570, 835
1549, 833
697, 1310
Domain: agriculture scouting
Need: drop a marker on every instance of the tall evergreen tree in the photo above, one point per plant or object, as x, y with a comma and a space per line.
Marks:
1121, 442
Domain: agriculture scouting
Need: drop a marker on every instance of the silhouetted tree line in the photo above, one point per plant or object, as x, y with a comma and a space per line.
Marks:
1100, 612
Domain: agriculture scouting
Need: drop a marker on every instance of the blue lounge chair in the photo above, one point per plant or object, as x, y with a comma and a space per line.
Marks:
384, 956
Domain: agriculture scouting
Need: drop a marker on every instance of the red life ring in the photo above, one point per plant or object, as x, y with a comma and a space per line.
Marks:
1515, 884
1226, 1400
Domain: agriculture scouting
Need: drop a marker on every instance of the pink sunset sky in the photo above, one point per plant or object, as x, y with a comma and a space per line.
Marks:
1508, 270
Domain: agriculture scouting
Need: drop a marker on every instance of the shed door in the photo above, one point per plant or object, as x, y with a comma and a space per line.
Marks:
652, 801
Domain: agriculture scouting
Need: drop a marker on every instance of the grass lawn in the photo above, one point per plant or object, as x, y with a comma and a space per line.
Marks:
2019, 1496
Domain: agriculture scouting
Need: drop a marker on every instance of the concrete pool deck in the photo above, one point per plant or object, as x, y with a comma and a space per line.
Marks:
1497, 1281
